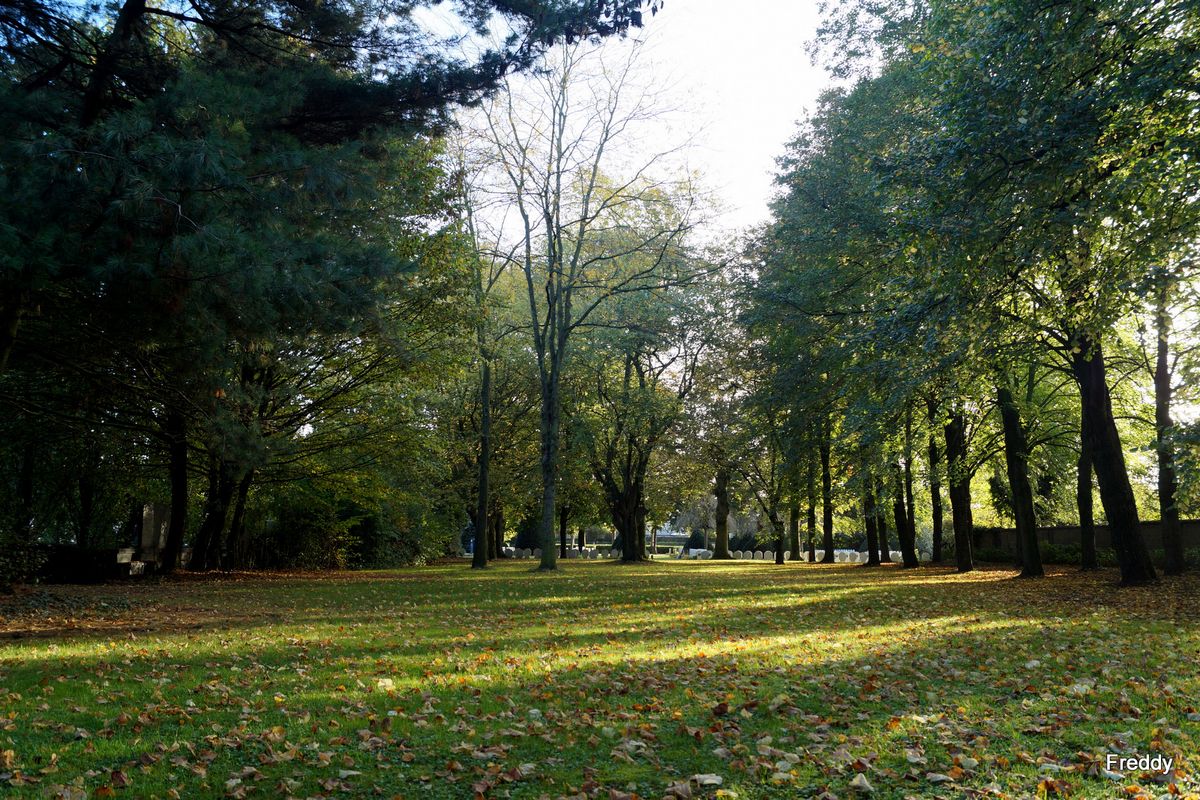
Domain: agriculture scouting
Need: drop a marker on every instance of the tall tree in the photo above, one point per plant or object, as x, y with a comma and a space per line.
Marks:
553, 140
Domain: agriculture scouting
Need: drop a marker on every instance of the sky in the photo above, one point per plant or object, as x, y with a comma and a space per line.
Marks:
742, 79
735, 82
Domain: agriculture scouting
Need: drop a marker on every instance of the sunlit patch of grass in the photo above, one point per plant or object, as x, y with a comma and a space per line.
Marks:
441, 681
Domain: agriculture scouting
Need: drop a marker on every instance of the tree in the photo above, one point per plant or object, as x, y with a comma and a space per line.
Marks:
185, 186
641, 363
552, 145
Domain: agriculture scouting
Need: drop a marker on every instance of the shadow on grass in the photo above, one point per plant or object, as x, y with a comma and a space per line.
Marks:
928, 677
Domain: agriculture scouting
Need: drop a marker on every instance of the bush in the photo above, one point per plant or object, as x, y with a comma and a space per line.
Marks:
20, 561
992, 555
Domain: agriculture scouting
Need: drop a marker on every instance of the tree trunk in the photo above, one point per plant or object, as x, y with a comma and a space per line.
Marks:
625, 520
826, 502
564, 516
960, 491
868, 504
125, 28
777, 524
811, 521
199, 562
885, 547
721, 514
1016, 457
910, 506
908, 548
1108, 462
1088, 559
175, 428
549, 462
582, 538
221, 486
1168, 509
794, 550
639, 519
479, 555
935, 484
496, 531
231, 556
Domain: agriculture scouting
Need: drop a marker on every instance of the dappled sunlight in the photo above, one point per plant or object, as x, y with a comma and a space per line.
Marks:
689, 659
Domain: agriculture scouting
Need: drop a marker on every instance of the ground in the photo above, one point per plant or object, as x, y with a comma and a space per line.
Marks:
681, 679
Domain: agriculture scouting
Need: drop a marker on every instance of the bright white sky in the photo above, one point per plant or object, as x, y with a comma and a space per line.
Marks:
743, 79
736, 78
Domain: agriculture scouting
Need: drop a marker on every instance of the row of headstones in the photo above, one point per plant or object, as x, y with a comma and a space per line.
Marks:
524, 552
840, 556
758, 555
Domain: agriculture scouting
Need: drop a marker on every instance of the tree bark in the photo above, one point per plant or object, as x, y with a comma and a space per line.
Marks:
550, 421
1168, 509
721, 514
910, 506
960, 491
826, 501
811, 520
175, 428
125, 27
908, 548
1016, 457
868, 504
1108, 462
885, 548
582, 538
639, 521
496, 531
221, 486
794, 550
231, 555
625, 520
935, 484
777, 524
1088, 559
479, 555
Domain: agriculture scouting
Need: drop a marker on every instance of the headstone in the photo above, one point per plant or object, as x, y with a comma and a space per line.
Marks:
820, 555
758, 555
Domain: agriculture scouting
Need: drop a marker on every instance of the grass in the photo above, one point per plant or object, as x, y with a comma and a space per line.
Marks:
600, 680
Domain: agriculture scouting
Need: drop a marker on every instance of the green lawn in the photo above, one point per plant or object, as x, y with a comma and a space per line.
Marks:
599, 681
